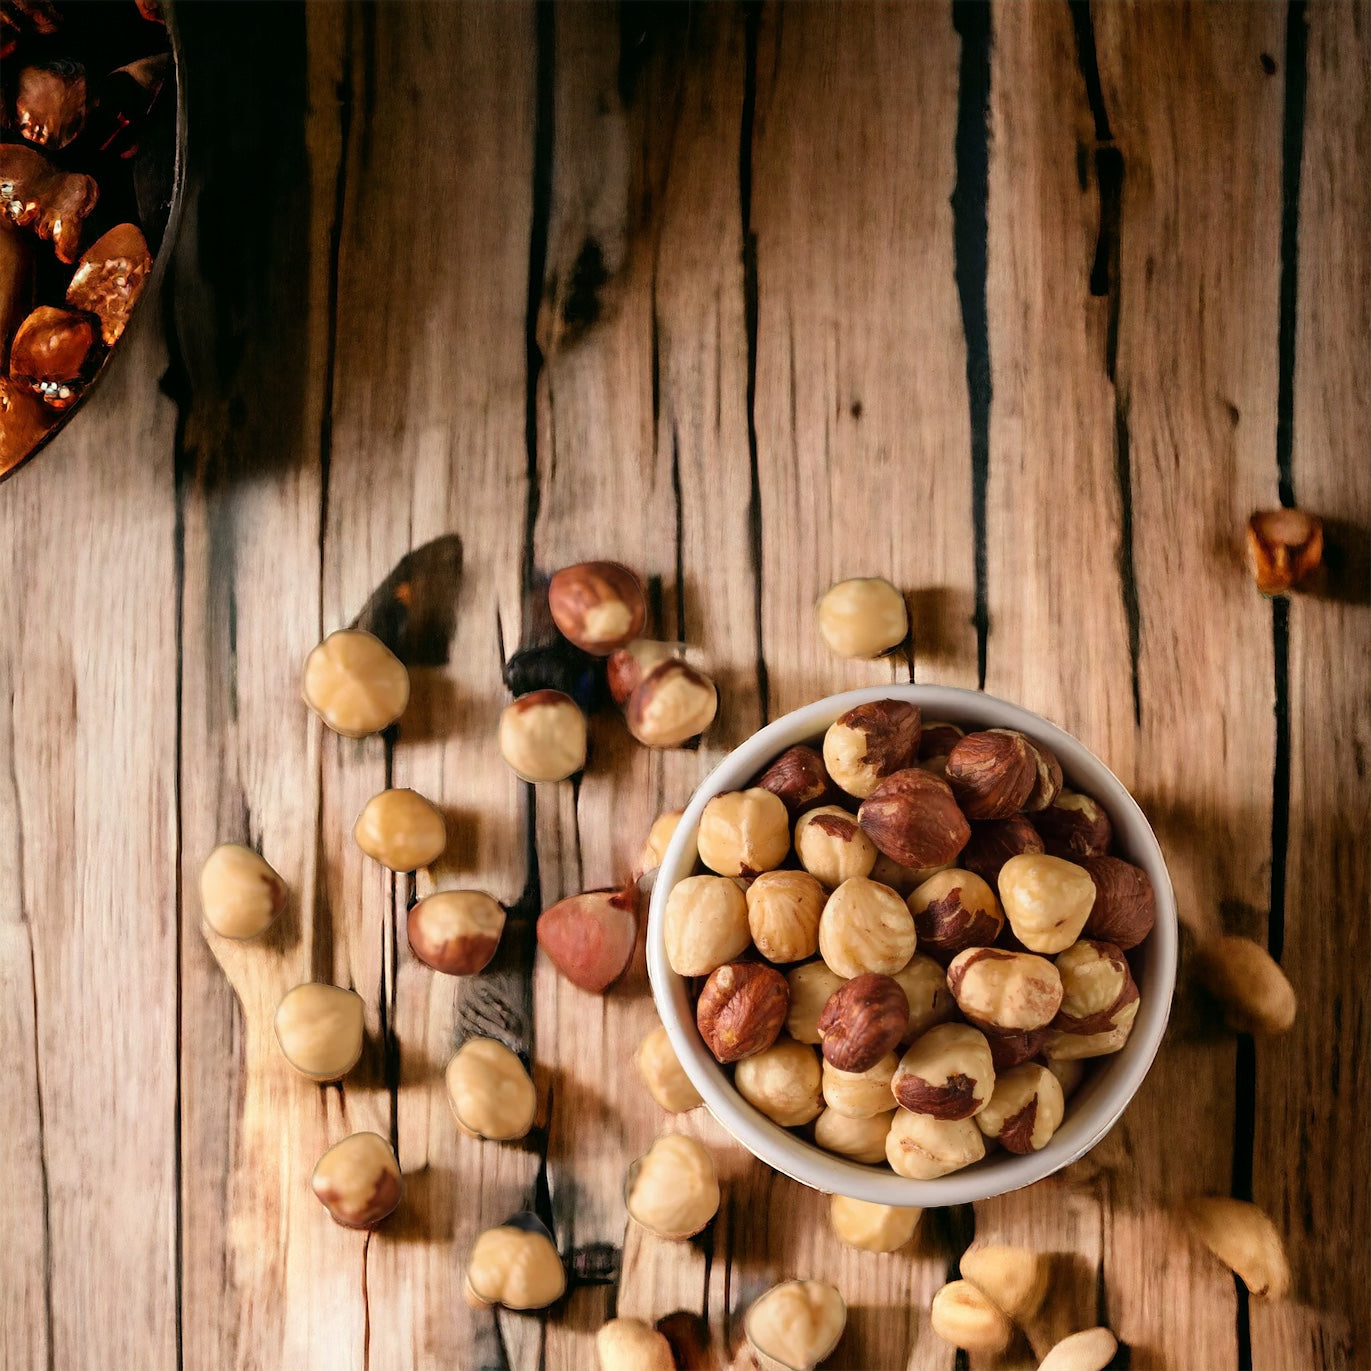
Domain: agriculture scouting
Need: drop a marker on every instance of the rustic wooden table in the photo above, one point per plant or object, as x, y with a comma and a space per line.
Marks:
1026, 308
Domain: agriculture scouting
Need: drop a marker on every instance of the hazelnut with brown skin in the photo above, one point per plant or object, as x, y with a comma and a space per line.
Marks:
952, 911
860, 1140
798, 779
938, 738
923, 1147
401, 830
489, 1091
53, 353
1049, 782
1005, 991
358, 1181
1074, 826
913, 818
863, 1022
925, 988
1047, 900
811, 985
904, 880
319, 1028
1284, 547
663, 1074
741, 1009
1025, 1109
1125, 907
947, 1072
671, 705
543, 736
860, 1094
865, 926
784, 1082
24, 419
705, 924
355, 683
863, 617
743, 833
598, 606
673, 1189
54, 204
1099, 1001
871, 742
456, 931
831, 845
993, 773
783, 910
994, 841
1014, 1047
110, 277
627, 666
240, 895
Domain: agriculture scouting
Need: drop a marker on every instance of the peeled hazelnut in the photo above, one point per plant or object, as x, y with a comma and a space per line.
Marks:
1015, 1279
796, 1325
52, 353
627, 666
1249, 984
659, 839
938, 738
811, 985
864, 617
860, 1094
240, 895
590, 937
1284, 547
663, 1074
1099, 1002
871, 742
741, 1009
489, 1091
831, 846
903, 880
1242, 1237
456, 931
783, 909
543, 736
994, 841
797, 778
632, 1345
872, 1227
358, 1180
1092, 1349
671, 705
947, 1073
862, 1022
913, 818
860, 1140
516, 1266
319, 1028
1025, 1109
401, 830
673, 1189
865, 926
1014, 1048
355, 683
783, 1082
744, 832
598, 606
924, 1148
955, 910
1125, 907
1074, 826
930, 1001
110, 278
705, 924
967, 1318
1046, 899
1049, 782
1005, 991
1069, 1071
993, 773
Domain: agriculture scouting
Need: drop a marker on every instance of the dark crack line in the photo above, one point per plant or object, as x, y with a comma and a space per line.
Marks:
1292, 167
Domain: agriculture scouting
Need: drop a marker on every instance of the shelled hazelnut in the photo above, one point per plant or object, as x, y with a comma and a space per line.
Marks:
903, 880
319, 1028
862, 1022
110, 277
862, 617
672, 1189
515, 1265
1015, 1046
1284, 547
993, 773
741, 1009
783, 909
358, 1180
355, 683
1244, 1239
401, 830
865, 926
1014, 1278
926, 992
810, 988
860, 1094
1046, 899
590, 938
598, 606
871, 742
948, 1073
938, 738
872, 1227
664, 1075
744, 832
914, 819
796, 1325
1069, 1071
632, 1345
671, 705
489, 1091
783, 1082
831, 846
1099, 1002
1005, 991
53, 352
1092, 1349
860, 1140
952, 911
240, 895
1250, 985
543, 736
924, 1148
1025, 1109
994, 841
798, 779
967, 1318
705, 924
455, 931
1074, 826
1125, 907
627, 666
658, 839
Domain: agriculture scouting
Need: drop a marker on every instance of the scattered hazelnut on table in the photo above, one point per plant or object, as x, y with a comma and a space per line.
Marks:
865, 926
952, 911
860, 1094
926, 992
863, 617
240, 894
1005, 991
1243, 1238
401, 830
358, 1180
861, 1140
924, 1148
947, 1073
1014, 1278
798, 779
1092, 1349
993, 773
355, 683
863, 1022
994, 841
632, 1345
783, 909
913, 818
671, 705
1025, 1109
598, 606
658, 839
1125, 907
831, 846
796, 1325
872, 1227
590, 938
705, 924
455, 931
1099, 1002
543, 736
1047, 900
673, 1189
871, 742
514, 1265
489, 1091
967, 1318
744, 832
784, 1083
319, 1028
1284, 548
1074, 826
627, 666
741, 1009
810, 988
1248, 982
663, 1073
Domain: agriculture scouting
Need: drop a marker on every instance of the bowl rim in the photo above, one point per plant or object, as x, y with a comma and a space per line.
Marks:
1109, 1094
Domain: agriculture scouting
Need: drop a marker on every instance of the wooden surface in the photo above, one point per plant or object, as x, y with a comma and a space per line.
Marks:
1026, 308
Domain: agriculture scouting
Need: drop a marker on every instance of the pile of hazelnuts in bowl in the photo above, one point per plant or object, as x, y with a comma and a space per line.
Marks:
910, 942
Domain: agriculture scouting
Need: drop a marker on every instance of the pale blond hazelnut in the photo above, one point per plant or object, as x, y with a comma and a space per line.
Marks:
869, 743
658, 839
456, 931
489, 1091
783, 909
671, 705
955, 910
861, 1140
926, 991
743, 833
632, 1345
860, 1094
872, 1227
673, 1189
241, 896
515, 1266
967, 1318
705, 924
663, 1073
1005, 991
355, 683
811, 986
1244, 1239
796, 1325
1014, 1278
924, 1148
1248, 982
401, 830
831, 846
865, 926
358, 1180
1069, 1071
1047, 900
863, 617
947, 1072
1092, 1349
543, 736
904, 880
1061, 1045
1025, 1109
319, 1028
784, 1082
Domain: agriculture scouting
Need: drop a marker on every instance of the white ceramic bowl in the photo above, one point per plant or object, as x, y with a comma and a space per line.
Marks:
1091, 1112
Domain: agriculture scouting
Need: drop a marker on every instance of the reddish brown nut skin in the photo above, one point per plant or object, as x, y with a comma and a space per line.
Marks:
798, 779
742, 1009
1125, 907
1075, 830
590, 938
50, 102
24, 419
892, 729
947, 926
1046, 997
863, 1021
914, 819
937, 739
1284, 547
110, 277
1104, 1019
994, 841
1009, 1049
35, 194
1049, 782
53, 347
992, 773
578, 592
